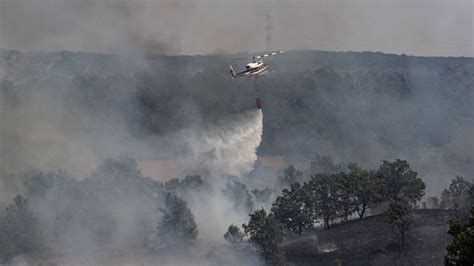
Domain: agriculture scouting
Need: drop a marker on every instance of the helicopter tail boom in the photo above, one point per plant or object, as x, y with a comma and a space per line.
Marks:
232, 72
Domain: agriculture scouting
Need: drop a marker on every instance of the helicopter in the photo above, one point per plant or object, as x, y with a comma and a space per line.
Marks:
255, 68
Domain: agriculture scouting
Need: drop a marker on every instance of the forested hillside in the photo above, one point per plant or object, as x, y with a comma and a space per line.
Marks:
361, 107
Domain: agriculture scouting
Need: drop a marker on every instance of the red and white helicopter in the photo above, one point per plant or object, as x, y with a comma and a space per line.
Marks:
255, 68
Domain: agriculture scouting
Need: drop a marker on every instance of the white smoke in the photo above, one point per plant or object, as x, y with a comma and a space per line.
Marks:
229, 148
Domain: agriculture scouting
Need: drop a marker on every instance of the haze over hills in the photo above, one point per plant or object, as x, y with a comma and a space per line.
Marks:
416, 27
364, 107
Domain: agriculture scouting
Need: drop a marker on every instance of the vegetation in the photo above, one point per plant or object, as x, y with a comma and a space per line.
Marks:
365, 188
292, 210
262, 196
321, 193
239, 195
19, 230
265, 232
177, 228
114, 203
461, 251
290, 176
190, 183
325, 198
400, 215
458, 197
234, 235
312, 102
397, 181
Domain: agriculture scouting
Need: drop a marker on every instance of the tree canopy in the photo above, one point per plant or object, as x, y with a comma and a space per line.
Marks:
461, 249
177, 227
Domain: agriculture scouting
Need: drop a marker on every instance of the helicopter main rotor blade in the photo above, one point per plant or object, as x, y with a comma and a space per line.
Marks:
259, 56
274, 53
242, 58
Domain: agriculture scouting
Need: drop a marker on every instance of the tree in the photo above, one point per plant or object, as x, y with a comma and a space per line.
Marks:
19, 232
190, 183
433, 203
290, 176
262, 195
344, 190
291, 210
239, 195
324, 165
322, 197
364, 189
400, 215
193, 183
234, 235
398, 180
461, 250
458, 196
177, 228
265, 233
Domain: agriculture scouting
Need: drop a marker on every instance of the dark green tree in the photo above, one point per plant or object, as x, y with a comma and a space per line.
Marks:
262, 195
194, 183
344, 190
239, 195
461, 250
234, 235
172, 185
321, 194
458, 196
290, 176
19, 230
433, 203
264, 231
400, 215
177, 228
292, 210
398, 180
324, 165
189, 184
365, 187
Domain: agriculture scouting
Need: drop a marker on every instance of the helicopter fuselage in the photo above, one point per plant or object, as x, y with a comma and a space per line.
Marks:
252, 69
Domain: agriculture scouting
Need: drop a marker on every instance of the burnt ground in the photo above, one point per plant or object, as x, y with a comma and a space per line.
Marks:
372, 241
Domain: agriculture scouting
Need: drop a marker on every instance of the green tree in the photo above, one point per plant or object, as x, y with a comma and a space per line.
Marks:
234, 235
194, 183
324, 165
189, 184
321, 194
239, 195
398, 180
177, 228
461, 250
400, 215
290, 176
458, 196
262, 195
291, 210
365, 187
344, 190
19, 230
172, 185
433, 203
264, 231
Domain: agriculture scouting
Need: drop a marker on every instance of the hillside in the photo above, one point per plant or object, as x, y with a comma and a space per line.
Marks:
369, 242
362, 107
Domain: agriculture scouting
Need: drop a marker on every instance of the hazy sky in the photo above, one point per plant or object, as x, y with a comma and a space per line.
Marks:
420, 27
